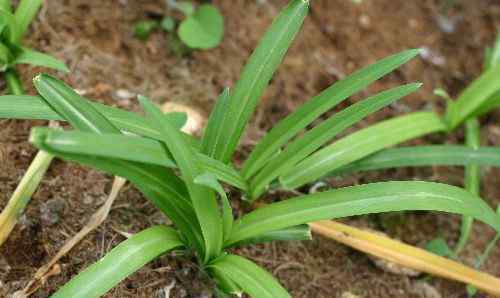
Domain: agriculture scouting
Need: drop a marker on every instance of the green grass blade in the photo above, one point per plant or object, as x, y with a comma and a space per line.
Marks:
295, 233
35, 107
286, 129
323, 133
71, 106
363, 199
11, 23
28, 56
160, 185
472, 180
214, 131
252, 279
361, 144
473, 97
123, 260
202, 198
256, 75
25, 13
423, 156
131, 148
210, 180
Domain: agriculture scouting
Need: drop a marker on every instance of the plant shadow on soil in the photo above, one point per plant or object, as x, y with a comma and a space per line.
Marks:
95, 39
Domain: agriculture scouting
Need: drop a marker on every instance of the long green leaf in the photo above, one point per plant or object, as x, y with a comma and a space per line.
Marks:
160, 185
123, 260
473, 97
28, 56
252, 279
472, 179
323, 133
71, 106
25, 13
256, 75
131, 148
360, 144
35, 107
423, 156
295, 233
363, 199
214, 131
286, 129
202, 198
10, 21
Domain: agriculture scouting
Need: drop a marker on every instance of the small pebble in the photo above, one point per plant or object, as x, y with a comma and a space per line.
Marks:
425, 290
51, 211
123, 94
349, 295
364, 21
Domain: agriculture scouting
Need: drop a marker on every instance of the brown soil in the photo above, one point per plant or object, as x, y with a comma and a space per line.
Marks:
94, 38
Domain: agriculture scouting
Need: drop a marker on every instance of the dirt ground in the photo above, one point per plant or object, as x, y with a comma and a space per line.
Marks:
95, 39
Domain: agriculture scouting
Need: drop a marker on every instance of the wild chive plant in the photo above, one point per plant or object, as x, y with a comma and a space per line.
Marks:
13, 27
147, 150
202, 27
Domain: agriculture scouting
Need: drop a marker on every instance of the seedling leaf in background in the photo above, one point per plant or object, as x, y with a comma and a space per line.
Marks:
143, 29
438, 246
202, 29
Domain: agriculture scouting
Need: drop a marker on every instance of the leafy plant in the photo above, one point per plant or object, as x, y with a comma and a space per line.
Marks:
194, 199
202, 27
13, 27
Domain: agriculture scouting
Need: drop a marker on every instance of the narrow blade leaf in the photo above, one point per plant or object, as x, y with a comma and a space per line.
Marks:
423, 156
25, 13
295, 233
202, 198
363, 199
323, 133
473, 97
27, 56
252, 279
131, 148
256, 75
360, 144
123, 260
312, 109
35, 107
160, 185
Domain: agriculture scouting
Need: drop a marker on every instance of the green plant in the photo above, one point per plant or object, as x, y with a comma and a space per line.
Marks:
13, 27
202, 27
153, 150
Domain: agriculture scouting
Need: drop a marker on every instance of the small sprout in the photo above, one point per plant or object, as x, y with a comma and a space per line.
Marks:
439, 247
143, 29
168, 24
203, 29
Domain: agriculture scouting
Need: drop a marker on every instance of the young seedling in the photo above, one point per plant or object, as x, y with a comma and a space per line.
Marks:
201, 28
13, 27
153, 150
